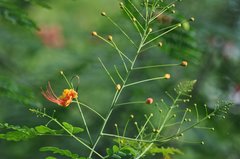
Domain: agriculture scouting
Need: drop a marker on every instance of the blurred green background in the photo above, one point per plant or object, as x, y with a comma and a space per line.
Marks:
29, 59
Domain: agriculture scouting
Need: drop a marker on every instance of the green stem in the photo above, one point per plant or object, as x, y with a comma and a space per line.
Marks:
103, 126
114, 46
117, 95
100, 37
71, 134
167, 116
79, 108
188, 128
125, 127
195, 105
119, 75
143, 128
163, 10
136, 10
143, 81
119, 51
84, 121
121, 54
149, 146
129, 103
136, 23
155, 66
162, 34
150, 47
94, 111
165, 28
147, 14
183, 118
107, 71
70, 86
124, 33
126, 138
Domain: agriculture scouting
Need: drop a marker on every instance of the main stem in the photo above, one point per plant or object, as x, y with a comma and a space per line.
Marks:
118, 93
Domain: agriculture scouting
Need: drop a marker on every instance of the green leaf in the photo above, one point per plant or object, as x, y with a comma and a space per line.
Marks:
122, 154
77, 130
44, 130
115, 148
166, 152
109, 151
62, 152
72, 129
68, 126
43, 4
116, 153
129, 149
50, 157
18, 133
115, 156
15, 136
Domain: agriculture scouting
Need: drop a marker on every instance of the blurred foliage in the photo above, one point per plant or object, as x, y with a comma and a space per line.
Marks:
14, 11
27, 62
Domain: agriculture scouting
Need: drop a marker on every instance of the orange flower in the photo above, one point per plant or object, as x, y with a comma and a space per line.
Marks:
64, 100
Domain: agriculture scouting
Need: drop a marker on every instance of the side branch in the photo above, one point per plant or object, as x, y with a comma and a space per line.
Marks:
146, 80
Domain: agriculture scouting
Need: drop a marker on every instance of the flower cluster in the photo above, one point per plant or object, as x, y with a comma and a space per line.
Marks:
64, 100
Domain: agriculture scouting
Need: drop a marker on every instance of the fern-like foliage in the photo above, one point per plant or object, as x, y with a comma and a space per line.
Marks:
166, 152
62, 152
18, 133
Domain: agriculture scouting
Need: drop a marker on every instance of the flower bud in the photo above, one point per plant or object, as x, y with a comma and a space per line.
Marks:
184, 63
149, 101
167, 76
118, 87
121, 5
94, 33
134, 19
150, 30
103, 14
160, 44
192, 19
110, 38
